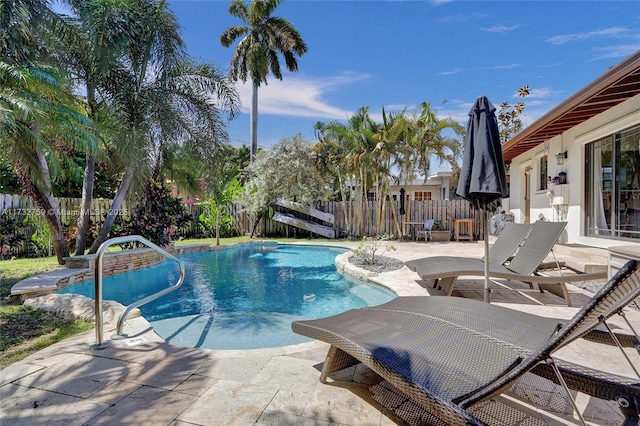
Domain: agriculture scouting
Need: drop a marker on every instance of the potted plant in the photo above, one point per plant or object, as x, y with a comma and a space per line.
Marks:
439, 232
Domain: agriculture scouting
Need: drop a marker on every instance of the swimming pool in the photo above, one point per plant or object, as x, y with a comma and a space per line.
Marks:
242, 297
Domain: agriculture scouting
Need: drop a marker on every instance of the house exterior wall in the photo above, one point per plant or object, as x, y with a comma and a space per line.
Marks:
438, 184
568, 201
436, 191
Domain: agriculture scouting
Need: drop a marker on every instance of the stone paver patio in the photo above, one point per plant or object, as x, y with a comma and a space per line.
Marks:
144, 380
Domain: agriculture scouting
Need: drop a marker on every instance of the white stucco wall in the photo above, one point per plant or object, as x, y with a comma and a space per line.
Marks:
620, 117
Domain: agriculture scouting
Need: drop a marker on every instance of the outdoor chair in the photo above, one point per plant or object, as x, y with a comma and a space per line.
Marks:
500, 252
527, 265
426, 230
445, 355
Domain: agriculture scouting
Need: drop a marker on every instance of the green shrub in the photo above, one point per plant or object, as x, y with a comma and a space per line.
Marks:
438, 225
13, 232
158, 216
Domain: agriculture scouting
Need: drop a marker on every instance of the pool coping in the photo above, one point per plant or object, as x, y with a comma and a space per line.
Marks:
81, 268
46, 284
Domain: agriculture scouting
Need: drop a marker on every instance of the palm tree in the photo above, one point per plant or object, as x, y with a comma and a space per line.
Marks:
164, 99
390, 143
428, 140
362, 151
98, 35
264, 36
347, 150
39, 117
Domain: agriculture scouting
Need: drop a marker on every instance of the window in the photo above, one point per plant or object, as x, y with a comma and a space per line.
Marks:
543, 177
613, 185
422, 195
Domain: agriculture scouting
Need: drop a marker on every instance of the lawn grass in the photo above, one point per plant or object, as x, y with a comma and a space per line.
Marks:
24, 331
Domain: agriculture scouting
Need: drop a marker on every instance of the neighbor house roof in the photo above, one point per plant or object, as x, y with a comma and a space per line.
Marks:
618, 84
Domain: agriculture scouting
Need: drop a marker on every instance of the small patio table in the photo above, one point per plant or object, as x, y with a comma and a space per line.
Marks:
412, 227
468, 229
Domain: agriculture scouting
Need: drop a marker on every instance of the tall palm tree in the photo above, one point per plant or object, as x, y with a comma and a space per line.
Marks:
39, 117
428, 139
390, 143
264, 36
164, 99
346, 149
97, 37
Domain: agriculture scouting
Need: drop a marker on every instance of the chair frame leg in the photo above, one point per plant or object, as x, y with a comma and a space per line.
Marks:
617, 342
553, 365
633, 330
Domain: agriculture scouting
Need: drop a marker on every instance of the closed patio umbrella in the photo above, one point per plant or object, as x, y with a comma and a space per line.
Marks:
483, 180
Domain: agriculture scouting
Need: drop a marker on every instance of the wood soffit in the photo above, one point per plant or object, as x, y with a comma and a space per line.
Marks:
617, 85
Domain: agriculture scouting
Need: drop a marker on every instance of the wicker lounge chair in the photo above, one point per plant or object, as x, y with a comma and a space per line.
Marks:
501, 251
527, 265
445, 355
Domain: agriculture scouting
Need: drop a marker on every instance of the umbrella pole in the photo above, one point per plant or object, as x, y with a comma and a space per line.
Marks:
487, 290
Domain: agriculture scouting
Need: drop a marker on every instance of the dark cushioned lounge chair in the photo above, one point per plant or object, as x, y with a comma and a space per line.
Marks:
448, 354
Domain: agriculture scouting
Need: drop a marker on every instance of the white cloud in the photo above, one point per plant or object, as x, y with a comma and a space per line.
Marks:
604, 33
534, 108
461, 18
461, 114
617, 51
297, 96
501, 28
451, 72
496, 67
538, 93
503, 67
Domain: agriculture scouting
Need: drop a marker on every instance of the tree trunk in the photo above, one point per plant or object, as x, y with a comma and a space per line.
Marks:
116, 205
88, 182
343, 194
217, 225
394, 216
48, 205
254, 122
255, 225
87, 196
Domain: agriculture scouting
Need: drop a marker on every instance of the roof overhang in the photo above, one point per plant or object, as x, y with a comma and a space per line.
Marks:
617, 85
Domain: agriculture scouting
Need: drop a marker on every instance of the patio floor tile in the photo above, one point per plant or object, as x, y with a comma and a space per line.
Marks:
146, 405
228, 403
32, 407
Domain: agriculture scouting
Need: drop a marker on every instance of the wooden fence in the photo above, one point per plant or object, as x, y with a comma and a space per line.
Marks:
360, 219
68, 208
354, 219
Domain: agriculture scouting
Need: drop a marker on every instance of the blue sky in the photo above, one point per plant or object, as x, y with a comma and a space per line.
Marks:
397, 54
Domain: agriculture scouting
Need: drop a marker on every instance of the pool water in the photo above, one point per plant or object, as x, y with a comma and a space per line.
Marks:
243, 297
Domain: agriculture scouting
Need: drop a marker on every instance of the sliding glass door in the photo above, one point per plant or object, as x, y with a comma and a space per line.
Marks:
613, 185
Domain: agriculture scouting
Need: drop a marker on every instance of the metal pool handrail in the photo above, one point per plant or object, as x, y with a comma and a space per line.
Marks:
100, 344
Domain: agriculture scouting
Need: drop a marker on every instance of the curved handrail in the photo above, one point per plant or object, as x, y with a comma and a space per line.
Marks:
98, 285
